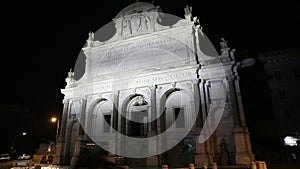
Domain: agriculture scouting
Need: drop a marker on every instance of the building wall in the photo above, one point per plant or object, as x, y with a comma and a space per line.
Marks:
155, 84
282, 67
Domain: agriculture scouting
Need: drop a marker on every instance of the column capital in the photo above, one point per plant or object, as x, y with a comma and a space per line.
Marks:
230, 78
115, 92
134, 90
195, 81
66, 101
173, 85
153, 87
202, 81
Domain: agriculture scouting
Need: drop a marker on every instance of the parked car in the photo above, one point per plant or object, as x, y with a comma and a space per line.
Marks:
4, 157
24, 157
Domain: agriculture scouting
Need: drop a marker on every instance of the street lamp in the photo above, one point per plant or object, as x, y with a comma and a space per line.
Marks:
55, 120
12, 151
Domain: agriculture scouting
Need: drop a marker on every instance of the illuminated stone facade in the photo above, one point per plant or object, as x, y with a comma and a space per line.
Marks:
150, 71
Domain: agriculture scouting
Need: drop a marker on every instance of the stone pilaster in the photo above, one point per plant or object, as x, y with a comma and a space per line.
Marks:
77, 150
60, 155
243, 152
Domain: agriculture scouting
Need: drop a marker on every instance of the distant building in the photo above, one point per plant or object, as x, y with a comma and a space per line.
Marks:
283, 70
152, 71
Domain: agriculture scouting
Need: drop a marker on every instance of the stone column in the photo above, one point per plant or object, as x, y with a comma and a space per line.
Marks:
203, 153
115, 120
153, 109
153, 161
162, 127
121, 147
77, 150
199, 122
115, 110
60, 155
80, 138
82, 116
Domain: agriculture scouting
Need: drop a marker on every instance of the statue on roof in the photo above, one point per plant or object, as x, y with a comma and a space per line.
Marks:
188, 12
224, 43
127, 26
197, 25
70, 80
91, 39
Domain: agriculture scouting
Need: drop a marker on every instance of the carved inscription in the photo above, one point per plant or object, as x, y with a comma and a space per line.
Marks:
141, 54
145, 81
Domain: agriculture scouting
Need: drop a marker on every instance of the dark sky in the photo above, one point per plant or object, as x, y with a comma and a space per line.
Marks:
40, 42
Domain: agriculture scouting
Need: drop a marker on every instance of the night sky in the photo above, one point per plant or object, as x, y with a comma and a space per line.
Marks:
40, 42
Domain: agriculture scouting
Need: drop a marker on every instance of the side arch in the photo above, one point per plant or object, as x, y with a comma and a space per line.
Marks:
100, 118
177, 109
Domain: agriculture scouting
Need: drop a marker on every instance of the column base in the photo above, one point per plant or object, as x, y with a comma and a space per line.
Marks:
203, 159
243, 154
242, 159
74, 162
152, 161
58, 158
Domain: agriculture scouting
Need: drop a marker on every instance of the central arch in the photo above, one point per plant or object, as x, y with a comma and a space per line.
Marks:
135, 114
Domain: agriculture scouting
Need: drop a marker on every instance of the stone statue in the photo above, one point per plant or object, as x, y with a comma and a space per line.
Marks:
90, 40
70, 74
91, 36
187, 10
144, 22
70, 79
224, 43
126, 26
141, 101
